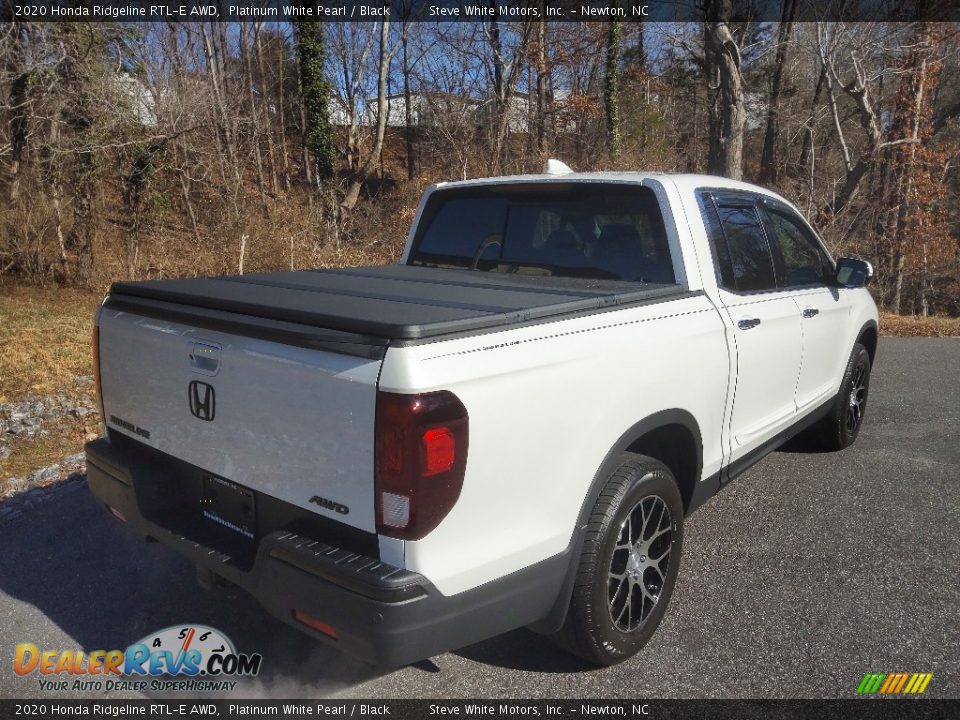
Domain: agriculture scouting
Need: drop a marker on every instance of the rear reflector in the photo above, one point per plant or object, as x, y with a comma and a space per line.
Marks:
421, 457
318, 625
395, 510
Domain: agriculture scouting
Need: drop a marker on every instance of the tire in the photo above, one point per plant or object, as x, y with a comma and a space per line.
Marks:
841, 427
620, 594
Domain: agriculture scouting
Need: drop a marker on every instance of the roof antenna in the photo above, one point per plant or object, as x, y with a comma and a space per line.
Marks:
555, 167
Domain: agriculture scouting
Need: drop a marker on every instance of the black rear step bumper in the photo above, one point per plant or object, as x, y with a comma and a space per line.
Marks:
382, 614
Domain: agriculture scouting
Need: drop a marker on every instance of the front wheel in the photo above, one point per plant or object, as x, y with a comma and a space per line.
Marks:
628, 565
841, 427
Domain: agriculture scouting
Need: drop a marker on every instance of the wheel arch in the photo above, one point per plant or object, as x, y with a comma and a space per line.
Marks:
671, 436
868, 337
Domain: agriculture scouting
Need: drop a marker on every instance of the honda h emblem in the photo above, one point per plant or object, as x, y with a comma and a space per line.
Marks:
203, 402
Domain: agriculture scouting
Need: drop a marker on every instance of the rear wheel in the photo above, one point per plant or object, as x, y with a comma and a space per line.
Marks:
628, 565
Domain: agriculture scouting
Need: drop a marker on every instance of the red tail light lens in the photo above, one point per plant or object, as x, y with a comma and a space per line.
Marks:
438, 451
421, 456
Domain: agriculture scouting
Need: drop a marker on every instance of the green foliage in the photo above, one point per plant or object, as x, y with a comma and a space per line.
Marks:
315, 90
160, 201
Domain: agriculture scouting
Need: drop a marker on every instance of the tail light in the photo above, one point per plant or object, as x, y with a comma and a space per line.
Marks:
421, 456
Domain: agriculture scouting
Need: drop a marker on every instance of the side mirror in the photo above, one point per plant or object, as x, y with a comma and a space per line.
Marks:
853, 272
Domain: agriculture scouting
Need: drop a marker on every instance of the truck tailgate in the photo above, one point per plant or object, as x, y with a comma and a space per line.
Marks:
293, 421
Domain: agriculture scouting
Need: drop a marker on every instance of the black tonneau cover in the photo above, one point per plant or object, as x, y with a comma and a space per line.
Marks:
401, 302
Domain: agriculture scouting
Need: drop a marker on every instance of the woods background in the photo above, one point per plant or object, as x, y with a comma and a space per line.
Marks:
158, 150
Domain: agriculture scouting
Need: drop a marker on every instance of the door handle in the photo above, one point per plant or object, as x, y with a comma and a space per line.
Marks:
748, 323
810, 312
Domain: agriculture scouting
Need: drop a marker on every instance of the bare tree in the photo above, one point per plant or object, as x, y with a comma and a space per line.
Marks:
833, 45
769, 167
363, 173
505, 67
611, 86
727, 110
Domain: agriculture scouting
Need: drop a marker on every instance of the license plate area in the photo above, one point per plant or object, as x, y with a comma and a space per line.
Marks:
229, 506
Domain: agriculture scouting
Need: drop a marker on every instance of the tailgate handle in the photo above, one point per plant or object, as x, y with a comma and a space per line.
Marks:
205, 358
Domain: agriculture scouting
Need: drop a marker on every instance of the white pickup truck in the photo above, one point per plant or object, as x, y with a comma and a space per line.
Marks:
506, 429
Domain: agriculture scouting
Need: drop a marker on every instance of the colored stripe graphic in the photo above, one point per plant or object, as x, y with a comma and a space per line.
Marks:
891, 678
870, 683
894, 683
898, 681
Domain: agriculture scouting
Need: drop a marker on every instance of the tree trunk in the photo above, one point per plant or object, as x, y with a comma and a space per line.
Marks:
282, 115
906, 159
611, 87
408, 115
769, 169
78, 116
52, 173
318, 134
406, 9
263, 113
185, 189
19, 98
541, 118
500, 109
858, 90
724, 79
641, 49
807, 147
246, 48
227, 155
353, 192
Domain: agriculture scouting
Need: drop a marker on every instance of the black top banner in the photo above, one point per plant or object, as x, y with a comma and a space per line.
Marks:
864, 709
468, 10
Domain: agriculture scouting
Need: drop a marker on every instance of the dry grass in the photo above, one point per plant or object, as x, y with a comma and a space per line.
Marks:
45, 335
916, 326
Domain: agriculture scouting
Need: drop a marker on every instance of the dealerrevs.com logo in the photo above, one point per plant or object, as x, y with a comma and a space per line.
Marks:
180, 658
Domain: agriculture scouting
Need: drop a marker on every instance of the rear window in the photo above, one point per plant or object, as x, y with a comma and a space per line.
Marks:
612, 232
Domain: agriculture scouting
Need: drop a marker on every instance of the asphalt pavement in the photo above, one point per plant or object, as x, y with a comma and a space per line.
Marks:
808, 571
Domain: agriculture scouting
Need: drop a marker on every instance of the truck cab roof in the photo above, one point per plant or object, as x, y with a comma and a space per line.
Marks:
683, 181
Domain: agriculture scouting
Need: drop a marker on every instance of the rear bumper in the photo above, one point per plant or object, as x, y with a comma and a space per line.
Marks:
383, 614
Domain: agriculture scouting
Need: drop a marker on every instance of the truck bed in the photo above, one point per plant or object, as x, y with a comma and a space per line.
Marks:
395, 302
